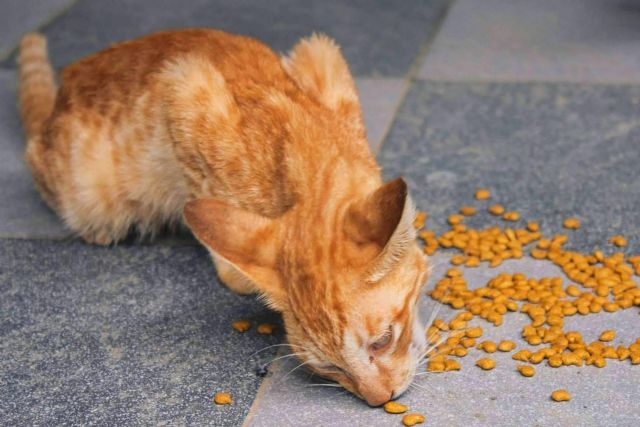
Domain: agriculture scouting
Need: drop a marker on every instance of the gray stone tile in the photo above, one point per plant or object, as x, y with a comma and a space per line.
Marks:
473, 397
379, 99
21, 16
22, 211
380, 38
548, 151
128, 335
543, 40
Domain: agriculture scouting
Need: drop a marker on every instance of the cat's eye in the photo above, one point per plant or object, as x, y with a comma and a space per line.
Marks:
383, 342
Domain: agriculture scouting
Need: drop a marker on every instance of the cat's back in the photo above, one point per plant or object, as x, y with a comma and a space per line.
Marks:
127, 70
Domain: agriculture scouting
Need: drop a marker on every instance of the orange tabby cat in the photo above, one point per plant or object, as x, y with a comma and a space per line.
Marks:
265, 159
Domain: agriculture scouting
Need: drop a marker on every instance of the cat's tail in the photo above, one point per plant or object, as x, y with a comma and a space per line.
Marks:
37, 84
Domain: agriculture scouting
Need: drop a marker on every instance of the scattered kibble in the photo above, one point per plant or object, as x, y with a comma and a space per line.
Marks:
266, 328
506, 345
420, 219
474, 332
482, 194
486, 364
571, 223
395, 408
593, 282
607, 336
618, 240
222, 398
496, 209
468, 210
412, 419
526, 370
561, 395
488, 346
511, 216
241, 325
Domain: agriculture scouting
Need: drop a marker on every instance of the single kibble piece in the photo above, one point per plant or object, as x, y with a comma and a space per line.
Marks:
486, 364
455, 219
488, 346
436, 366
474, 332
526, 370
412, 419
522, 355
467, 210
451, 365
618, 240
241, 325
222, 398
607, 336
571, 223
496, 209
419, 220
561, 395
395, 408
266, 328
506, 345
511, 216
482, 194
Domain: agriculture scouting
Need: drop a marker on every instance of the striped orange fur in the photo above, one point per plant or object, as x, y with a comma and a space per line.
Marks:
265, 159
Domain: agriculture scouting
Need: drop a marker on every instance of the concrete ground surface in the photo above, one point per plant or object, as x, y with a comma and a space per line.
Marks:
537, 100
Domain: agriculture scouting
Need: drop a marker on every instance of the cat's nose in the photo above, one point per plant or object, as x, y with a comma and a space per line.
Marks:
378, 398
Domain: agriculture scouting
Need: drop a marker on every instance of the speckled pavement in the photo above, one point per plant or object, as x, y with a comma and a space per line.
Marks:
537, 100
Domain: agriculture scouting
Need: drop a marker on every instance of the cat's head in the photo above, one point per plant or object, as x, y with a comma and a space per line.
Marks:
346, 282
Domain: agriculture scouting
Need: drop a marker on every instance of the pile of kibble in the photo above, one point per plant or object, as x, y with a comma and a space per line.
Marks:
593, 283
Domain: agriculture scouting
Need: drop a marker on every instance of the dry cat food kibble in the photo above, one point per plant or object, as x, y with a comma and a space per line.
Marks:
482, 194
395, 407
412, 419
571, 223
595, 282
561, 395
506, 345
241, 325
526, 370
486, 364
266, 328
468, 210
222, 398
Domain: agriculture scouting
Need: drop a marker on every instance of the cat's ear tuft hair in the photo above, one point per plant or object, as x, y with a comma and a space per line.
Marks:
243, 239
384, 219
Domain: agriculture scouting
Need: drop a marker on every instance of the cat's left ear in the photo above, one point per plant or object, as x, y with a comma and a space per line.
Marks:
319, 69
245, 240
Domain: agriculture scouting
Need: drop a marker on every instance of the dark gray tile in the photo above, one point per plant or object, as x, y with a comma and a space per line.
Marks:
21, 16
378, 38
22, 211
548, 151
128, 335
543, 40
472, 397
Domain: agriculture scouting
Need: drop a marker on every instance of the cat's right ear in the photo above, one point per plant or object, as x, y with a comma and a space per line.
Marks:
243, 239
381, 226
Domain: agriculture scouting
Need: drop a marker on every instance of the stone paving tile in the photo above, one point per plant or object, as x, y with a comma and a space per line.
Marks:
473, 397
379, 99
549, 40
549, 151
128, 335
381, 40
22, 211
20, 16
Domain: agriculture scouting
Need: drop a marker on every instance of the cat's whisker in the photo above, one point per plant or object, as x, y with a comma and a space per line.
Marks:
276, 345
285, 357
291, 371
